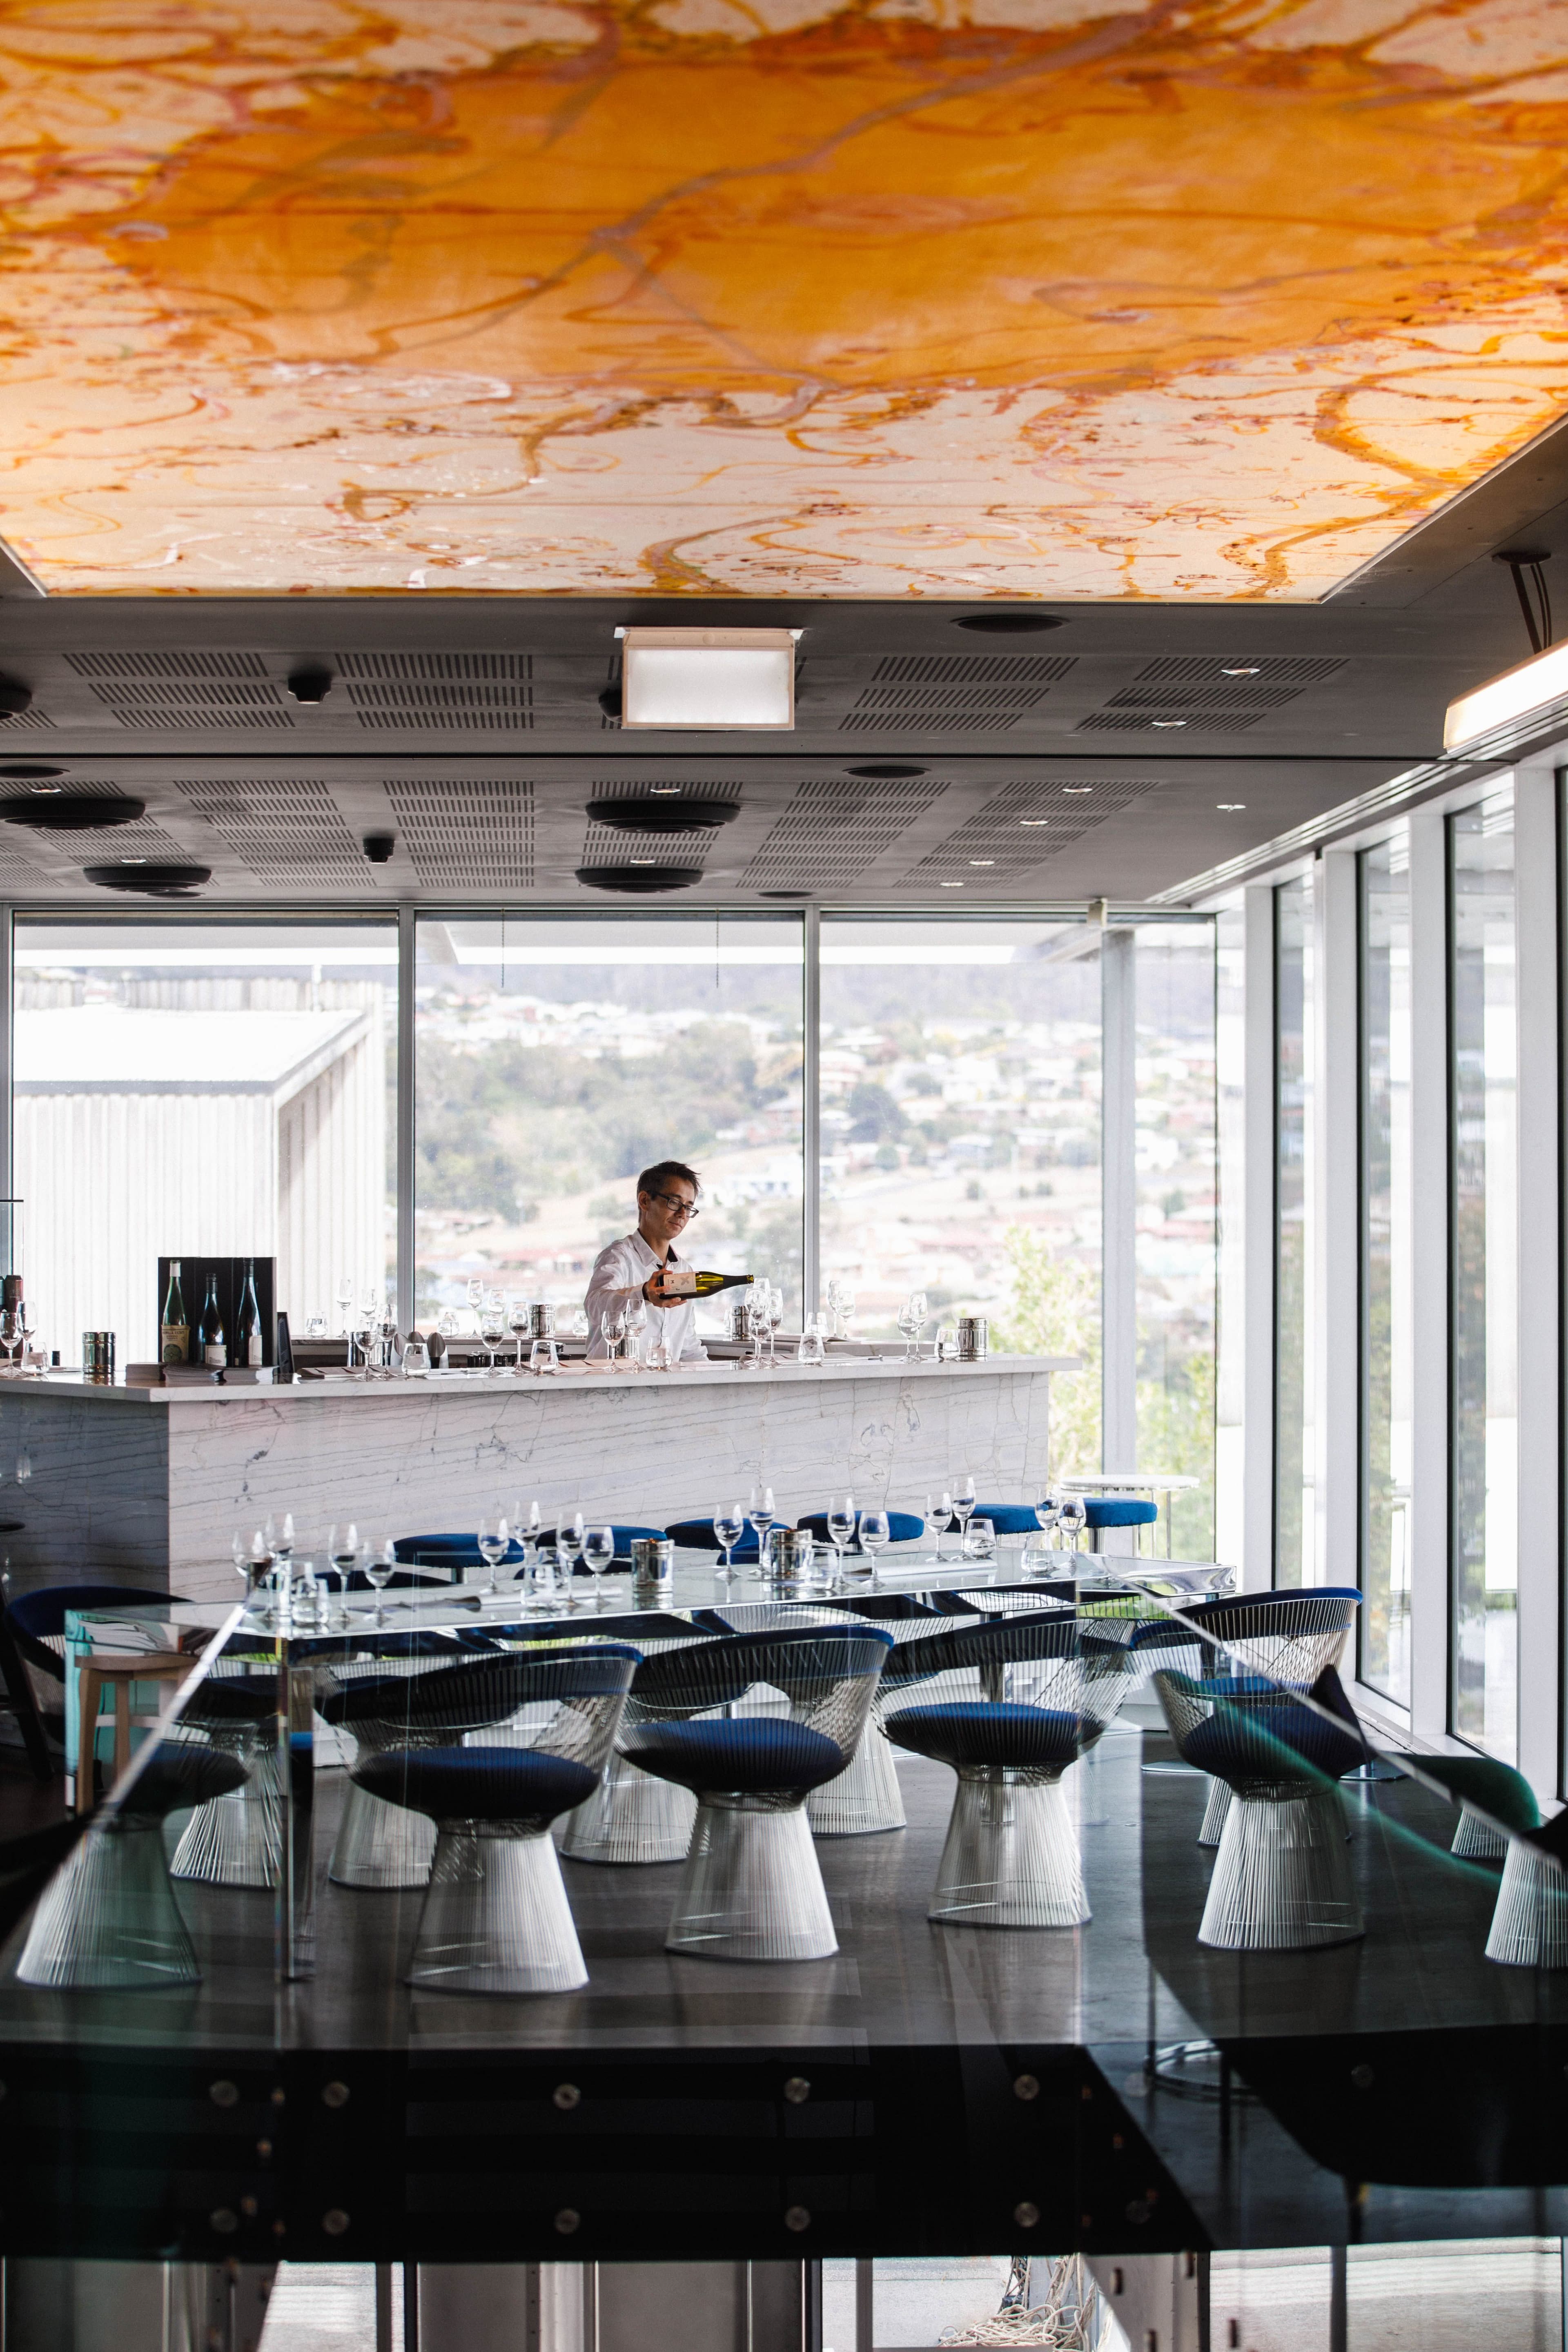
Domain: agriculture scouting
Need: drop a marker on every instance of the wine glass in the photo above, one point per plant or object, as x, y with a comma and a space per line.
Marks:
1073, 1518
342, 1550
840, 1534
760, 1518
635, 1317
874, 1533
475, 1297
378, 1567
775, 1316
517, 1323
241, 1553
569, 1536
910, 1325
345, 1296
599, 1552
938, 1515
494, 1541
1048, 1511
847, 1305
730, 1526
492, 1327
611, 1332
963, 1502
919, 1308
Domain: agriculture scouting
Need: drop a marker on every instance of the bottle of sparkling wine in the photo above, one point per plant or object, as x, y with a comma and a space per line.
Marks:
248, 1323
176, 1342
210, 1331
687, 1282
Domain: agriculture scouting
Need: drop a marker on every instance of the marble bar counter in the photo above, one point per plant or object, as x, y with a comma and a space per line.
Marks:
154, 1483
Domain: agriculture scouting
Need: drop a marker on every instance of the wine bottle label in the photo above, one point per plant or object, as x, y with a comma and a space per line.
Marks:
253, 1349
680, 1282
214, 1355
176, 1343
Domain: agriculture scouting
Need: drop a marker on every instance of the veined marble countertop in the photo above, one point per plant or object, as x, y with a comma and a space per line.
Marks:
570, 1380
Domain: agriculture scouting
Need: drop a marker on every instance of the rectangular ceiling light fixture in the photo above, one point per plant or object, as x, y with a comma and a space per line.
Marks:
1541, 680
694, 678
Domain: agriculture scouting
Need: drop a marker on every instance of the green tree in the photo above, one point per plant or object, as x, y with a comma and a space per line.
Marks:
1054, 1310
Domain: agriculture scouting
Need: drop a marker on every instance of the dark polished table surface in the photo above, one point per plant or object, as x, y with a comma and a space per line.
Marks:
1114, 2086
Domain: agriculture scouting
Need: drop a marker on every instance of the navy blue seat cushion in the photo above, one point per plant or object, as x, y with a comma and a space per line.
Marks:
1239, 1743
625, 1535
903, 1527
36, 1615
440, 1549
179, 1773
226, 1699
697, 1534
978, 1731
1009, 1519
1118, 1511
745, 1753
1496, 1788
478, 1784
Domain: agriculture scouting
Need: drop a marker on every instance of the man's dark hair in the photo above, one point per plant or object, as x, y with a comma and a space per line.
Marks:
655, 1179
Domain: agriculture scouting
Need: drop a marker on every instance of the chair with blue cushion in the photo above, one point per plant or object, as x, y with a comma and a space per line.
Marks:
697, 1534
373, 1698
631, 1816
903, 1527
1529, 1920
1008, 1706
1009, 1518
1103, 1511
752, 1888
236, 1840
35, 1624
1282, 1878
109, 1920
455, 1554
495, 1918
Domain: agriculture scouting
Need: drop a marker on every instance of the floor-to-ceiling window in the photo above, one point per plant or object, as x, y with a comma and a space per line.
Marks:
201, 1090
1386, 1323
556, 1055
1483, 1307
961, 1136
1295, 1531
1230, 1311
1176, 1214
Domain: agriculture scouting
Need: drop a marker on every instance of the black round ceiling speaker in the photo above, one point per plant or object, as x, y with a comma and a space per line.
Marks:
15, 697
1009, 624
309, 682
660, 813
25, 768
887, 768
149, 881
639, 881
69, 812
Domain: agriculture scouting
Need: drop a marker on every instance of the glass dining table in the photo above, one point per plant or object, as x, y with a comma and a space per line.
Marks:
260, 1672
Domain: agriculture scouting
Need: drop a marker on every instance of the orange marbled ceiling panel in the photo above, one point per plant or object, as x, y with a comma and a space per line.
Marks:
938, 298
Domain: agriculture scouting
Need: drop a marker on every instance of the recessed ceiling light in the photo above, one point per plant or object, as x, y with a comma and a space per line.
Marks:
664, 788
1170, 722
1240, 669
1034, 820
1009, 624
1077, 787
888, 768
699, 678
1230, 805
644, 861
982, 861
952, 886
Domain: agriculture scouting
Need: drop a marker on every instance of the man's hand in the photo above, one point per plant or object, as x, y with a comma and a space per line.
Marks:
653, 1290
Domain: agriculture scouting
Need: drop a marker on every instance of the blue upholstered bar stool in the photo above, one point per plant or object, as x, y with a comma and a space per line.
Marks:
1009, 1704
903, 1527
1529, 1918
495, 1918
1282, 1878
236, 1839
631, 1816
866, 1799
109, 1919
375, 1701
752, 1889
697, 1534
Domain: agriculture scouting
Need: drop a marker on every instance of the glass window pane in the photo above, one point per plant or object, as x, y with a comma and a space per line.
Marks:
1230, 1114
1295, 1530
960, 1071
1484, 1578
556, 1057
1387, 1335
204, 1089
1175, 1219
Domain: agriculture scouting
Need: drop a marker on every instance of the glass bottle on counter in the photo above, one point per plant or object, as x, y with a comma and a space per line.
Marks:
247, 1322
210, 1331
174, 1340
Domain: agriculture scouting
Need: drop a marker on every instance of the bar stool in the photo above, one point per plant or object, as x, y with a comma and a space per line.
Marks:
1530, 1919
495, 1918
1008, 1706
109, 1920
752, 1889
114, 1675
866, 1799
411, 1693
1282, 1878
237, 1839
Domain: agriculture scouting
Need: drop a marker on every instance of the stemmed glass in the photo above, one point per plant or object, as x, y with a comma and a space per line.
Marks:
775, 1316
760, 1518
599, 1552
517, 1323
635, 1317
345, 1294
847, 1305
1048, 1511
963, 1503
378, 1567
874, 1533
729, 1525
1073, 1518
570, 1535
389, 1336
343, 1552
360, 1319
495, 1542
475, 1297
919, 1308
492, 1327
840, 1534
612, 1330
938, 1515
370, 1321
910, 1325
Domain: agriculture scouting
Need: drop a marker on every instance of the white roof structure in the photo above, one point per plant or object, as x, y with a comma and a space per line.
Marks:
113, 1049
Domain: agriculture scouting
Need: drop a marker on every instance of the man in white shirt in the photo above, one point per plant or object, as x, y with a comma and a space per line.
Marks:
633, 1269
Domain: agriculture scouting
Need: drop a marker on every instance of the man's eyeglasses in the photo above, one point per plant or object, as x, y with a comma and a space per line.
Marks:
675, 1205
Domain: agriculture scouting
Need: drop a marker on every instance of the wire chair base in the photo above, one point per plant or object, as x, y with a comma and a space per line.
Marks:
1011, 1859
866, 1797
1530, 1923
109, 1921
236, 1839
496, 1918
752, 1889
381, 1845
1283, 1880
1477, 1840
1214, 1812
630, 1817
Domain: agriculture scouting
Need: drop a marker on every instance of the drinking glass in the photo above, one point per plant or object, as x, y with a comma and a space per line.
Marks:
938, 1515
761, 1517
517, 1324
840, 1534
599, 1552
378, 1567
811, 1349
492, 1327
416, 1360
543, 1358
910, 1325
1073, 1518
475, 1297
1048, 1511
963, 1501
342, 1550
577, 1324
946, 1341
980, 1541
775, 1316
609, 1332
447, 1322
241, 1551
389, 1338
874, 1533
495, 1542
919, 1308
569, 1540
345, 1296
847, 1304
635, 1317
315, 1327
359, 1337
730, 1526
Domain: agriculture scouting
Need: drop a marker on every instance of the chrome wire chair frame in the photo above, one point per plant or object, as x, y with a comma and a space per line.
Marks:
631, 1816
109, 1919
380, 1846
496, 1918
1009, 1704
704, 1717
866, 1799
1530, 1921
1475, 1839
236, 1840
1283, 1880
